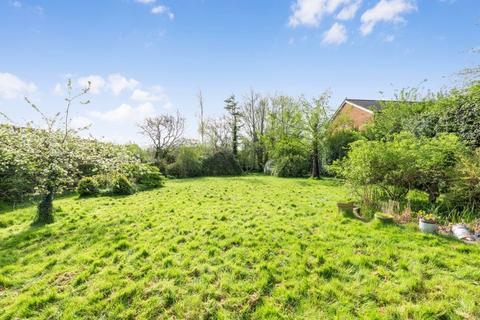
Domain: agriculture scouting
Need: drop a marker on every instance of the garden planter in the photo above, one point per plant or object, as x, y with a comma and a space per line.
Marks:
346, 208
427, 226
384, 218
461, 232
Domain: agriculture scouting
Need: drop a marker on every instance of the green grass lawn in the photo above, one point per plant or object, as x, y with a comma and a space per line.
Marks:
229, 248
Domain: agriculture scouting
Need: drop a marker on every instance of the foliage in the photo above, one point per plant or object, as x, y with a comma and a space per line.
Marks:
221, 163
150, 178
337, 143
290, 159
250, 247
427, 217
458, 113
285, 139
88, 186
405, 163
397, 116
231, 106
121, 185
22, 163
465, 191
188, 163
315, 113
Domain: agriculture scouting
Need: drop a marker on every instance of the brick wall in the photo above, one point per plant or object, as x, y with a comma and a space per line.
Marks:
350, 116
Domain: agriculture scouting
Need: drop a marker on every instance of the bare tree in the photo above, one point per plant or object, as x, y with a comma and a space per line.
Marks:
201, 128
254, 112
218, 133
165, 132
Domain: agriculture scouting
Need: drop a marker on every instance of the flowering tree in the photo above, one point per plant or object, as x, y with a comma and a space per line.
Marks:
48, 150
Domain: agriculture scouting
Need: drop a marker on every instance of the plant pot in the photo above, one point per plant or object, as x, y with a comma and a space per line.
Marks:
346, 208
461, 232
427, 226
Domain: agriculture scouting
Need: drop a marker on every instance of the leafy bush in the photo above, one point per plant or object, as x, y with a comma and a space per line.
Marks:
151, 178
188, 163
337, 143
395, 167
290, 159
465, 191
291, 166
88, 186
122, 186
221, 163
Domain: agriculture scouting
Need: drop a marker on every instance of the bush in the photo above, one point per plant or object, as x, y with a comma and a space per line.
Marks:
337, 143
290, 159
465, 191
122, 186
188, 163
87, 187
395, 167
150, 178
221, 163
145, 175
291, 166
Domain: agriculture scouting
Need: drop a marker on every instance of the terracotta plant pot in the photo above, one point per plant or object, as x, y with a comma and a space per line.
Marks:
427, 226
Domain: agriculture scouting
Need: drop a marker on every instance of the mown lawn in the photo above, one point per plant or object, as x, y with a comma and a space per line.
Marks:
229, 248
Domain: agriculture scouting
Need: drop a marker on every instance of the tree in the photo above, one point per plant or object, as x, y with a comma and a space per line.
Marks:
254, 113
165, 132
316, 121
49, 150
201, 128
285, 138
218, 133
232, 108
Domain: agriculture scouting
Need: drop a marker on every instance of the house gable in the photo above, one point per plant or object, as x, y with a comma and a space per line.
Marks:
351, 115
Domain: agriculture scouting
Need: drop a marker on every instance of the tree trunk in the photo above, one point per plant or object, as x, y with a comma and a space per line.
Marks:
45, 210
316, 162
235, 138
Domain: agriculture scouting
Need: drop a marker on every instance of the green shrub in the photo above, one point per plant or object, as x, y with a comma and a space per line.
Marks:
290, 158
188, 163
122, 186
465, 191
88, 186
405, 163
150, 178
145, 175
291, 166
221, 163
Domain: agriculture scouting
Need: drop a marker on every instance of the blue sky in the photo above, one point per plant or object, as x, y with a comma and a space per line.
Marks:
152, 56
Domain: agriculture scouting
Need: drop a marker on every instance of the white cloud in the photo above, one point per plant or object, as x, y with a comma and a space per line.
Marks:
154, 94
58, 89
12, 87
311, 12
163, 10
80, 122
145, 1
348, 12
125, 113
385, 11
97, 83
336, 35
118, 83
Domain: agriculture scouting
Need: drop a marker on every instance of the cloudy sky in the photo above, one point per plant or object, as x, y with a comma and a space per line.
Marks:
145, 57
